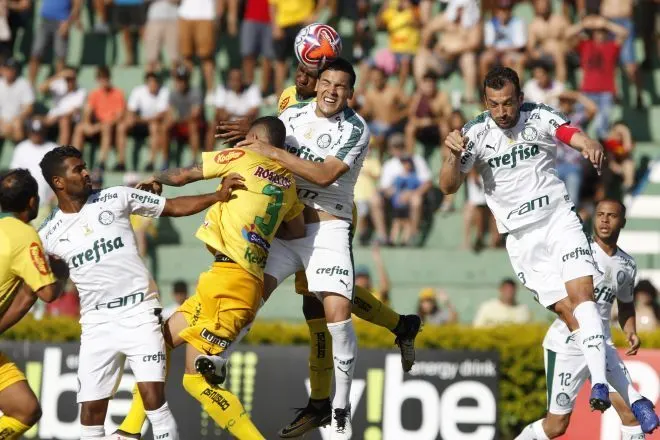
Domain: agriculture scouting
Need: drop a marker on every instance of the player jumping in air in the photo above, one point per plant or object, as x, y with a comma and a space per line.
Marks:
318, 411
24, 276
514, 147
565, 364
120, 306
239, 234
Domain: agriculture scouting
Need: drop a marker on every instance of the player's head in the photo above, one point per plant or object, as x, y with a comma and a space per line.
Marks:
508, 289
610, 218
180, 291
19, 193
306, 81
502, 96
335, 87
268, 129
66, 172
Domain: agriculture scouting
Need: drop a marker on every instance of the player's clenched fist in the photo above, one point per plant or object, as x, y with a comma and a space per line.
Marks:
456, 142
231, 182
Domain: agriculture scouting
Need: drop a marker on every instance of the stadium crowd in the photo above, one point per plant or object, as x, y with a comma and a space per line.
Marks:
401, 91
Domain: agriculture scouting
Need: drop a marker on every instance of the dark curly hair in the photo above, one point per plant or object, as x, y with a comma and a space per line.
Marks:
17, 187
498, 78
53, 162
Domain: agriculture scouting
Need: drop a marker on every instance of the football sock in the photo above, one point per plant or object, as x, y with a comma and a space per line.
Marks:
621, 382
223, 407
163, 424
344, 347
320, 359
11, 429
91, 432
591, 340
533, 431
632, 433
368, 307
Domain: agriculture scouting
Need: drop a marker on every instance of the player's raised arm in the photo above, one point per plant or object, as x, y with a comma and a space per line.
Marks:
591, 149
189, 205
451, 176
172, 177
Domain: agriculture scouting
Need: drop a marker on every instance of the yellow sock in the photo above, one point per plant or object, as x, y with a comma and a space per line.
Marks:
11, 429
321, 366
223, 407
370, 308
136, 416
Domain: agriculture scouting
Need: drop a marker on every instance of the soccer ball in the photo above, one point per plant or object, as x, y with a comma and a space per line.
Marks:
317, 44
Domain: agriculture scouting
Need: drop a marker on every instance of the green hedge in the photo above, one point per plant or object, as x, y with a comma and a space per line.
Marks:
522, 385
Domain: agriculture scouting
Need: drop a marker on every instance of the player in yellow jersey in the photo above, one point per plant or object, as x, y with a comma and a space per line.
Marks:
238, 233
24, 275
366, 306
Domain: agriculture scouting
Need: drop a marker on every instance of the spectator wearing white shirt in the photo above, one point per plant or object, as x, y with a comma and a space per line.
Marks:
235, 101
68, 100
16, 102
28, 154
505, 38
393, 169
184, 118
197, 35
541, 88
147, 107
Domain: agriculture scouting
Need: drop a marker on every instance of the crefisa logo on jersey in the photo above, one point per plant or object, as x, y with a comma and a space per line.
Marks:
106, 218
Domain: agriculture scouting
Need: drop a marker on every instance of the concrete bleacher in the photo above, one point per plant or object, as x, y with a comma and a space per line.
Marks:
468, 278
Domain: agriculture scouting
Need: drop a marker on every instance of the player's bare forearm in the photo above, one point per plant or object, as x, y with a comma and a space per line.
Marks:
189, 205
180, 176
451, 178
319, 173
627, 317
20, 305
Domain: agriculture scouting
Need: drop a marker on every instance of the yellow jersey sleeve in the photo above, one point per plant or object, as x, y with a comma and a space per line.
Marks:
294, 211
29, 261
216, 163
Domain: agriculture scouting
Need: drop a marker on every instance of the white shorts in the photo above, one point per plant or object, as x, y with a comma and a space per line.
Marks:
547, 254
324, 253
566, 373
105, 347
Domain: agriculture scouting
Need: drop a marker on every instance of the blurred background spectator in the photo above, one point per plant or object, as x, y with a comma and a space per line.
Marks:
435, 307
647, 309
257, 40
546, 42
17, 98
477, 218
541, 87
365, 189
179, 295
128, 18
401, 20
364, 280
161, 34
505, 40
184, 121
504, 309
68, 100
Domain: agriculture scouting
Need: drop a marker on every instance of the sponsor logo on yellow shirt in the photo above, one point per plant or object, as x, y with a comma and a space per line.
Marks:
38, 259
227, 156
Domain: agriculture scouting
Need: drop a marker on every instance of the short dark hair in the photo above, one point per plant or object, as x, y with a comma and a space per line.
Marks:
430, 75
180, 286
103, 72
52, 163
616, 202
17, 187
498, 78
543, 65
341, 65
275, 129
151, 75
509, 281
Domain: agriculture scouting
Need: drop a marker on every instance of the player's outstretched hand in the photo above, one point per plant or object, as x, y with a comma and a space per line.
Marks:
150, 185
456, 142
258, 146
634, 342
232, 131
230, 183
594, 153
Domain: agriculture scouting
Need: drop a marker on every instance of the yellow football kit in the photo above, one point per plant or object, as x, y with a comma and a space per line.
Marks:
239, 232
21, 260
290, 97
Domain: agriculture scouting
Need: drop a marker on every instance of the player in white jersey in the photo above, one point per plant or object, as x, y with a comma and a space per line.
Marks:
565, 366
513, 146
326, 142
120, 305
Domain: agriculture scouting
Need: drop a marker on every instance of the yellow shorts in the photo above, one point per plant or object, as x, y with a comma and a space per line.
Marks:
226, 300
301, 278
9, 372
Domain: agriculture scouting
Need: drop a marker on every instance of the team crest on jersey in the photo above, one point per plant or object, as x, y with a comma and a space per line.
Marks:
106, 218
563, 399
530, 134
324, 141
620, 277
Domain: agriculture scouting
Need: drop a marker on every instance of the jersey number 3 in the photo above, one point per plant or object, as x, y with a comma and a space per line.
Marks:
272, 210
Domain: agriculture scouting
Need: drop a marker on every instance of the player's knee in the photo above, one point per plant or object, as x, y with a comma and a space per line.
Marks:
312, 308
153, 395
92, 413
29, 414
